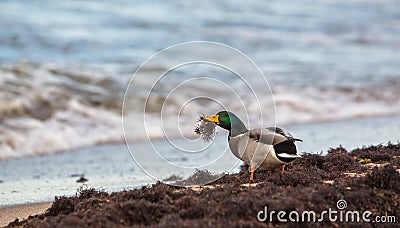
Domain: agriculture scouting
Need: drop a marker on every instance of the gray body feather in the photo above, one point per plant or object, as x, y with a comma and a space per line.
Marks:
256, 147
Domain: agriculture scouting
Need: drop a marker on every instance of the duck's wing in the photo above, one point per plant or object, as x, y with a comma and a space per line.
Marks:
281, 140
272, 135
266, 136
283, 132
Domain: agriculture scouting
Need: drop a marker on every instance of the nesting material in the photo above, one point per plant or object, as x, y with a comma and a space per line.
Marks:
205, 128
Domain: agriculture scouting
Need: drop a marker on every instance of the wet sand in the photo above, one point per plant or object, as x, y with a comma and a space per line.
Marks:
10, 213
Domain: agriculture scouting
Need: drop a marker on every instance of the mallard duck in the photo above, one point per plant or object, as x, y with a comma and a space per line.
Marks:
268, 148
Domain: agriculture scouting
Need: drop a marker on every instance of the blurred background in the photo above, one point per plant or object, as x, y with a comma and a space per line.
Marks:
65, 65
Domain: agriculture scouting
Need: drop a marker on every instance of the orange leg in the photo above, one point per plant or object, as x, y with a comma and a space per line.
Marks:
283, 168
252, 173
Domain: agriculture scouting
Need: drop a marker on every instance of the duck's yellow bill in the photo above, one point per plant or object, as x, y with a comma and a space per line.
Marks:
212, 118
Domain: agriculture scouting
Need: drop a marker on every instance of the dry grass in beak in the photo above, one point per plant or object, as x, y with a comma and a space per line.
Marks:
205, 128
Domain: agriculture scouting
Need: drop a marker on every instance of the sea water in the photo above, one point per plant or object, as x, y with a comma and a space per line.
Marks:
64, 66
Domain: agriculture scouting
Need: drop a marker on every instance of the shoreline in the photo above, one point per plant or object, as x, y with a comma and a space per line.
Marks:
368, 179
39, 179
289, 125
27, 182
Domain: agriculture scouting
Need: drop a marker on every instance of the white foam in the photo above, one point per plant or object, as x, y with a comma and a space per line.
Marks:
78, 126
45, 109
308, 104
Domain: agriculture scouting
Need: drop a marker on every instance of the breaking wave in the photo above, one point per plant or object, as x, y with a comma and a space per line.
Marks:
45, 108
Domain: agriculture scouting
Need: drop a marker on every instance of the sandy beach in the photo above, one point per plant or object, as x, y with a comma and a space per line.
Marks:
10, 213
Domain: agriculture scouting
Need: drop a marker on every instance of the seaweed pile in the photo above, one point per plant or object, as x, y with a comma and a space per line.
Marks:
367, 178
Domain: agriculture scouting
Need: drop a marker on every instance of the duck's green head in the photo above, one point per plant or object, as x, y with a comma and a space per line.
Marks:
228, 121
